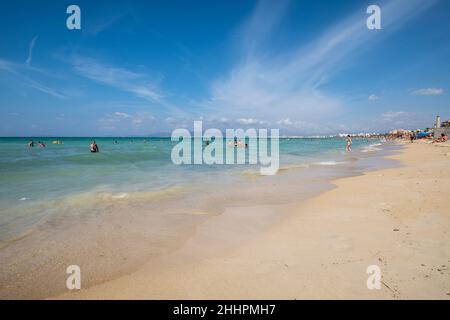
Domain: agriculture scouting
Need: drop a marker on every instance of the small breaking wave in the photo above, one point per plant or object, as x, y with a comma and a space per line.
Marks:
293, 167
329, 163
372, 148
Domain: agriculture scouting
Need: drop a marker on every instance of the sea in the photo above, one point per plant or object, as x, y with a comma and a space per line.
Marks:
129, 204
38, 182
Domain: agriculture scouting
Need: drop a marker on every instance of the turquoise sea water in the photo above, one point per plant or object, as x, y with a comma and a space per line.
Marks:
36, 182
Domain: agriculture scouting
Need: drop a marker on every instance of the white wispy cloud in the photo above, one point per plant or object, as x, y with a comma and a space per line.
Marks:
22, 72
288, 84
139, 84
286, 122
117, 77
394, 115
373, 97
126, 122
43, 88
312, 128
429, 92
250, 121
255, 31
30, 51
121, 114
400, 119
103, 24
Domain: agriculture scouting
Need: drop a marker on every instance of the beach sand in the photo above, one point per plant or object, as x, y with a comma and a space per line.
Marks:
397, 219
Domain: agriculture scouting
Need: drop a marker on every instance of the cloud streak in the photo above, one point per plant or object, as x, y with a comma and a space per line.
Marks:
102, 25
288, 85
30, 51
119, 78
139, 84
21, 72
118, 121
429, 92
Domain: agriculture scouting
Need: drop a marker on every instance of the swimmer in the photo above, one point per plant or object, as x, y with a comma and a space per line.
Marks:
31, 143
349, 143
41, 144
94, 147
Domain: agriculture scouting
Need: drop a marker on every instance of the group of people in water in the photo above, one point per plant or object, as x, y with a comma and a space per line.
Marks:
236, 143
31, 144
93, 147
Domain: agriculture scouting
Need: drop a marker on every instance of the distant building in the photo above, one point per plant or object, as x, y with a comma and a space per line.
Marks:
441, 128
438, 121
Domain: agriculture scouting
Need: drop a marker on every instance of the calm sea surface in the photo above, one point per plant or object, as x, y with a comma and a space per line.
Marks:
36, 182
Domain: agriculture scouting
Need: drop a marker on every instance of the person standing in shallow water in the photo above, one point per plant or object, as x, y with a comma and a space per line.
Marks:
94, 147
349, 143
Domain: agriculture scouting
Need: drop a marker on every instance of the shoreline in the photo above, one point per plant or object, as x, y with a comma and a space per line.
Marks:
397, 219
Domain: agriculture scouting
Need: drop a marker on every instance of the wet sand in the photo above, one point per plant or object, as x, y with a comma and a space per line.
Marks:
396, 218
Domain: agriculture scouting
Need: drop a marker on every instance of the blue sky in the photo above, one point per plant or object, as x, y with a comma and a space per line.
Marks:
148, 67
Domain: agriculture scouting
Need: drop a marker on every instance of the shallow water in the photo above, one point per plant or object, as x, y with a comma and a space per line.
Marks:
111, 212
36, 182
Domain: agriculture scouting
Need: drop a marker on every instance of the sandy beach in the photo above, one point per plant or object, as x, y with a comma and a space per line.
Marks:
397, 219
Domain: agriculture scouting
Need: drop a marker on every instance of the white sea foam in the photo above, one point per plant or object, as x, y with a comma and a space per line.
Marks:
120, 196
329, 163
372, 148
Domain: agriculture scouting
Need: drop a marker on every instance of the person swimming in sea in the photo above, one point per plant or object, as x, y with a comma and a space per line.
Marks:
94, 147
31, 143
41, 144
349, 143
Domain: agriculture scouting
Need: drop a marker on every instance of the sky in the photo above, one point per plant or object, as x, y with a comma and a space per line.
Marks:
141, 68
